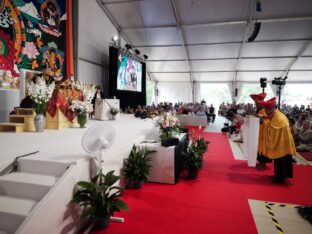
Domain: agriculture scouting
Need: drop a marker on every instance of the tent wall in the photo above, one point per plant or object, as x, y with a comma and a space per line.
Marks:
174, 92
94, 35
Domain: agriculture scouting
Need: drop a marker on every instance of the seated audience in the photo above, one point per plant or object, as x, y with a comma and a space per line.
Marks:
293, 129
305, 137
237, 135
138, 111
201, 112
211, 114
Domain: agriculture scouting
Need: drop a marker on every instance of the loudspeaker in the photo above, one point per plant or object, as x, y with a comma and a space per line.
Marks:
157, 92
255, 32
236, 92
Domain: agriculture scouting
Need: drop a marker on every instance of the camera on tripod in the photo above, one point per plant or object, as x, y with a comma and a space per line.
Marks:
279, 81
263, 82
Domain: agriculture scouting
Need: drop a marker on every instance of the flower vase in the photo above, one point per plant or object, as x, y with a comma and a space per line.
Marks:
40, 122
82, 119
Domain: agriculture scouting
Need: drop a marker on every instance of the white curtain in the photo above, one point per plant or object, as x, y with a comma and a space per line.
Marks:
233, 86
174, 92
197, 92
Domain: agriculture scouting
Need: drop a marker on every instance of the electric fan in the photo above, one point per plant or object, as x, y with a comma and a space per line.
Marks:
98, 139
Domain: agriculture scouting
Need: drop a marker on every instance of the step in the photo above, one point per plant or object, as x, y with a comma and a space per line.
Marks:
17, 118
26, 185
12, 127
28, 120
13, 211
25, 111
34, 166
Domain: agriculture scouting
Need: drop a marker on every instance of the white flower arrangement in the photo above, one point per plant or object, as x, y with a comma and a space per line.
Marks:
81, 107
168, 120
168, 124
87, 89
40, 93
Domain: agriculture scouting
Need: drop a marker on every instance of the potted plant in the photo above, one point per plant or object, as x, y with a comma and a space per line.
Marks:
100, 198
137, 167
113, 111
193, 161
200, 146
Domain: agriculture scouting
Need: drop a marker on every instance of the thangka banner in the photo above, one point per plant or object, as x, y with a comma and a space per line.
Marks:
33, 36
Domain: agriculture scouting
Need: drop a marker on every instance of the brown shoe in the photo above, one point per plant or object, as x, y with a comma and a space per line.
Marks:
261, 166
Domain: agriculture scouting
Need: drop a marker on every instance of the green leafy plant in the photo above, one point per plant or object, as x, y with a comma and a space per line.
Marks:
100, 197
192, 158
201, 145
137, 166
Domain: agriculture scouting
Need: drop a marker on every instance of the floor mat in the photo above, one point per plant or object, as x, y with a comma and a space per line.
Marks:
273, 217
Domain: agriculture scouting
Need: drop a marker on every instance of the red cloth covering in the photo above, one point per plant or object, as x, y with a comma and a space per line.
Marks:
269, 104
258, 97
58, 101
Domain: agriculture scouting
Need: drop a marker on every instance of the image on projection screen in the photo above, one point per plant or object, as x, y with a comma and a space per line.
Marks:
129, 76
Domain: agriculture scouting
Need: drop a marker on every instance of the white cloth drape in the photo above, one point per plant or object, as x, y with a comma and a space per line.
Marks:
197, 92
237, 85
174, 92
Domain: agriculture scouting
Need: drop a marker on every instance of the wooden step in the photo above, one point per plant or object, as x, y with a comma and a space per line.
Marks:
12, 127
17, 118
25, 111
27, 119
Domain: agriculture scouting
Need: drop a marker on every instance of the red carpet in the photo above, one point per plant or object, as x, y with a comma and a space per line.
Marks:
217, 202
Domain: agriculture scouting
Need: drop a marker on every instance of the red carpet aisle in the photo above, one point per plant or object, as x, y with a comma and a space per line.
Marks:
217, 202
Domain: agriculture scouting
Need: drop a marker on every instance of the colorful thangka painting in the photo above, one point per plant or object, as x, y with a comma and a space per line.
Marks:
33, 36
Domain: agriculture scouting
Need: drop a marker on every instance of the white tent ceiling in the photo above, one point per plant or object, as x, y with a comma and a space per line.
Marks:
206, 40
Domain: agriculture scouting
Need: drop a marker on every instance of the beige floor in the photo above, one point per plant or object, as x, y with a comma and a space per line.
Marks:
216, 126
287, 217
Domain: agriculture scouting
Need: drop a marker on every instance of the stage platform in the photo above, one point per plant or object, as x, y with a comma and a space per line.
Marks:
54, 172
65, 145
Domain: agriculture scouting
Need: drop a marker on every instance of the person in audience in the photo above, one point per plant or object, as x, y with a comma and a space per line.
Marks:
294, 130
143, 113
201, 112
278, 143
237, 134
250, 110
241, 110
138, 111
305, 138
211, 114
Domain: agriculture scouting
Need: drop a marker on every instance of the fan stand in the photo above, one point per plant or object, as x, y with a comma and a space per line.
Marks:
100, 161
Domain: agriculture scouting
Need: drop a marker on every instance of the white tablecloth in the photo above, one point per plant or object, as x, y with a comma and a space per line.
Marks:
162, 162
193, 120
102, 108
250, 138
